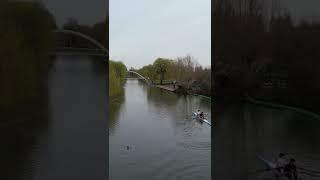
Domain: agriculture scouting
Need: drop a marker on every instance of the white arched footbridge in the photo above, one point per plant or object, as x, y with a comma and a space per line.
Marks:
102, 50
142, 77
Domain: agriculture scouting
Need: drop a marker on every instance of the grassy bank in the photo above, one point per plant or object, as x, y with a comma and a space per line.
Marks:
117, 72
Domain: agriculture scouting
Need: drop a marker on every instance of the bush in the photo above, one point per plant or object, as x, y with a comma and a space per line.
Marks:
117, 71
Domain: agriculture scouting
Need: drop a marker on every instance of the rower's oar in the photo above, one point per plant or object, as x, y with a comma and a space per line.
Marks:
262, 170
309, 170
295, 153
309, 174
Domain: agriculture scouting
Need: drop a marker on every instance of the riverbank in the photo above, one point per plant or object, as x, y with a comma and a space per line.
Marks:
202, 96
167, 87
117, 71
282, 106
116, 99
282, 100
176, 90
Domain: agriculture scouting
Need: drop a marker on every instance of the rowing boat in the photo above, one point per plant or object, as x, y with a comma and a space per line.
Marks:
270, 166
201, 119
278, 174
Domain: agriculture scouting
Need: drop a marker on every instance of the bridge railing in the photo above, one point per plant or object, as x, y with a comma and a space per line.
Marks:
84, 36
101, 49
144, 78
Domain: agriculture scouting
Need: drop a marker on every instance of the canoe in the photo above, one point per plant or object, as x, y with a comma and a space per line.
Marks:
201, 119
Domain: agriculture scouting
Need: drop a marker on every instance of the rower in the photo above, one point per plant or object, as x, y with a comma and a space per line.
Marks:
198, 113
290, 170
201, 115
281, 162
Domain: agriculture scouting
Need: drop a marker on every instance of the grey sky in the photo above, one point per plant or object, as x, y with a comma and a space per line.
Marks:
142, 30
303, 8
85, 11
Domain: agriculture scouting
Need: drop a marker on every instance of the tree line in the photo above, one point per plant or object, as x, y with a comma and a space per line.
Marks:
25, 38
254, 40
186, 71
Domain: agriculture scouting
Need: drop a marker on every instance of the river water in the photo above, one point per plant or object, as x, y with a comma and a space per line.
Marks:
66, 137
244, 131
151, 133
153, 136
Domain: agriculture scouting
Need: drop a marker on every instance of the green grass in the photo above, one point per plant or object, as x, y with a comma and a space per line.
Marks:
117, 71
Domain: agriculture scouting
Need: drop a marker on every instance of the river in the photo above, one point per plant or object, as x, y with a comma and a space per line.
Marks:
151, 133
244, 131
164, 141
66, 137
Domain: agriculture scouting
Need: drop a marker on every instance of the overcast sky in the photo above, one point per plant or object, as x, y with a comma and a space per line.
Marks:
142, 30
303, 7
85, 11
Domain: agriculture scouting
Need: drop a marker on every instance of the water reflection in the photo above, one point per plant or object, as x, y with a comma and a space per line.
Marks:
244, 131
114, 111
21, 138
160, 97
62, 135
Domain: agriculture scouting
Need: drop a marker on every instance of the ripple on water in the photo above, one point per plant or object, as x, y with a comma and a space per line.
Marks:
198, 146
192, 136
174, 169
113, 126
169, 164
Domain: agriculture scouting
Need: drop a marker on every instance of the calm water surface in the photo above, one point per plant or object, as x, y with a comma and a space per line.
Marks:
65, 137
164, 141
244, 131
